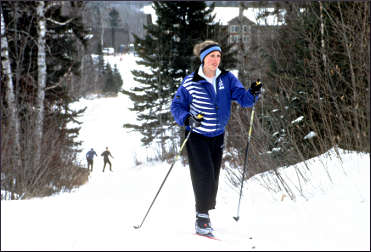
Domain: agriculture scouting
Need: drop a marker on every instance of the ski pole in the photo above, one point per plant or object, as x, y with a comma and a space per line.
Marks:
236, 218
163, 182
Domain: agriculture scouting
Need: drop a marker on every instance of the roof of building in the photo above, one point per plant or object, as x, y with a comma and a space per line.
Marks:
245, 20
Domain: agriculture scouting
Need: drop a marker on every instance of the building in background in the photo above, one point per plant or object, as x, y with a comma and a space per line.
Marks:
235, 28
130, 21
250, 39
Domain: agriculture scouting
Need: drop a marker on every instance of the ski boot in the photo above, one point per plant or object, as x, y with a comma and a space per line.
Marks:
203, 226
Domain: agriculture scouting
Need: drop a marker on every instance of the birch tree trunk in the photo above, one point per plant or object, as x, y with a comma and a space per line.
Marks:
322, 35
13, 111
102, 29
241, 47
41, 64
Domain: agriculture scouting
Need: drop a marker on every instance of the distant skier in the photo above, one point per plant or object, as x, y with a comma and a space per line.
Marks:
90, 157
106, 160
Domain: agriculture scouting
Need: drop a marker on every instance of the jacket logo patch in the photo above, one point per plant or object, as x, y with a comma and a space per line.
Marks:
221, 86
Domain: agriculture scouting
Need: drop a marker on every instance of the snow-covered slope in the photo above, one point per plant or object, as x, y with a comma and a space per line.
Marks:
100, 215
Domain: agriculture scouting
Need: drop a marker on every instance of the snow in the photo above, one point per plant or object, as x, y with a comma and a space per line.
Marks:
299, 119
331, 210
310, 135
276, 149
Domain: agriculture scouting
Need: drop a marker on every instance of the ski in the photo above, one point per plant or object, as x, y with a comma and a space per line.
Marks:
209, 236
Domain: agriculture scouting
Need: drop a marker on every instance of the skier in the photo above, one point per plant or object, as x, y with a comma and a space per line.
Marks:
202, 103
89, 157
106, 160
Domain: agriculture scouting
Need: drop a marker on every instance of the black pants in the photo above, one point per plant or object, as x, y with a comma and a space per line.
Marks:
105, 162
90, 163
205, 159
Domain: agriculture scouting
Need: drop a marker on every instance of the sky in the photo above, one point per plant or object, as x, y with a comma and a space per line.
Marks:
224, 14
331, 210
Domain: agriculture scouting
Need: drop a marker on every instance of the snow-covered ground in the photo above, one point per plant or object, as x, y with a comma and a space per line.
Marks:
328, 214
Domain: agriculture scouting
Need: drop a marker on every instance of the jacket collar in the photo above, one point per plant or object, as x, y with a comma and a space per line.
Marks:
197, 77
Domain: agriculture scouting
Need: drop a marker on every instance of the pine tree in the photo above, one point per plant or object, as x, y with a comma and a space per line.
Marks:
112, 80
108, 80
167, 52
117, 79
114, 21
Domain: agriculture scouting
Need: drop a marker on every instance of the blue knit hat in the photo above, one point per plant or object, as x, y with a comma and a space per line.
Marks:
208, 49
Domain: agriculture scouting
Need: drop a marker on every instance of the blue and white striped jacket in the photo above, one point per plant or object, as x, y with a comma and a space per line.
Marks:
196, 95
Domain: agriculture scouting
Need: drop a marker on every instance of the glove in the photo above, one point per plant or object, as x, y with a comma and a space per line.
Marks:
255, 87
193, 121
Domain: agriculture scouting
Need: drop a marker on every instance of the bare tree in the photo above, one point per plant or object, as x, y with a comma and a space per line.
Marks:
41, 63
14, 122
316, 91
322, 34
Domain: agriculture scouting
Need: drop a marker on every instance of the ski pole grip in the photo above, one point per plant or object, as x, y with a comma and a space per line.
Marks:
199, 116
257, 83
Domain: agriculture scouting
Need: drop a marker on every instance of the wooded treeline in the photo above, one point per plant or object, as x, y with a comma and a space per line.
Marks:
316, 79
47, 63
39, 55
